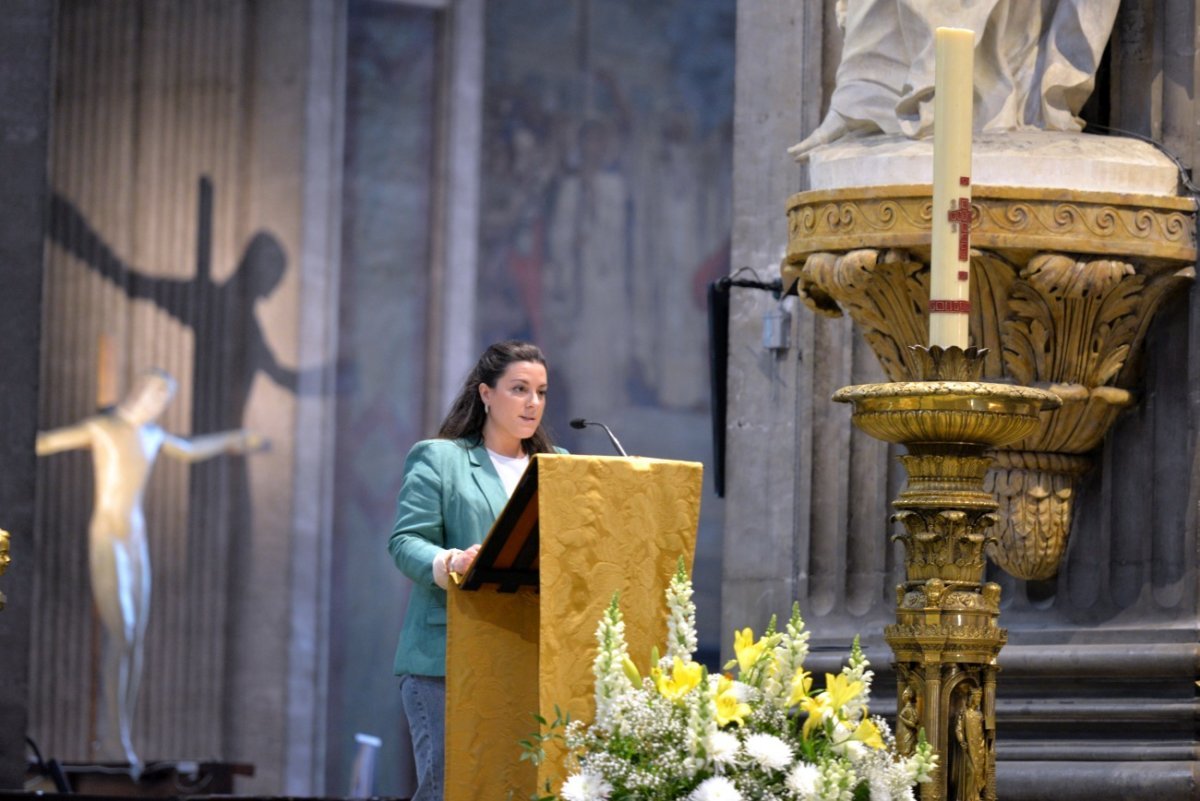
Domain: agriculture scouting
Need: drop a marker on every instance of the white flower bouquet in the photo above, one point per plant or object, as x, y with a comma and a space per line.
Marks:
760, 733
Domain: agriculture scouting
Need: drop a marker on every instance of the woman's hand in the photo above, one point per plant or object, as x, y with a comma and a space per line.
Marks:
452, 564
460, 561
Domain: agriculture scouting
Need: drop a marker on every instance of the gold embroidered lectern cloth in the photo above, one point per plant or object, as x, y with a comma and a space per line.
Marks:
606, 525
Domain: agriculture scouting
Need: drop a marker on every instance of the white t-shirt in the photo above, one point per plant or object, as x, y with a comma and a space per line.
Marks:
510, 469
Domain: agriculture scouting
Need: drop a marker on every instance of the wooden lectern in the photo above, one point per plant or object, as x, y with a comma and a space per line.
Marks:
522, 625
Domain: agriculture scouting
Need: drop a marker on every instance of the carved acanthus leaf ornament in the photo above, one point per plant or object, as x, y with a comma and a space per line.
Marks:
1063, 289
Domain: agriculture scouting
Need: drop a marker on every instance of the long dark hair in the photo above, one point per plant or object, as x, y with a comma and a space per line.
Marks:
466, 417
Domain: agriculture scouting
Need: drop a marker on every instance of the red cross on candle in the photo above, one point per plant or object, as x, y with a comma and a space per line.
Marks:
961, 217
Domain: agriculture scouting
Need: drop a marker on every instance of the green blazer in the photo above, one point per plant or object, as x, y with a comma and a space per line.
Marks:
450, 497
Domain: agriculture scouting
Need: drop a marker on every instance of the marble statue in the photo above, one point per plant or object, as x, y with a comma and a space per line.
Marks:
125, 443
1035, 64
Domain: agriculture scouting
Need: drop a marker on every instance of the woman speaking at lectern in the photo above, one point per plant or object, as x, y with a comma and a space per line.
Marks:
454, 488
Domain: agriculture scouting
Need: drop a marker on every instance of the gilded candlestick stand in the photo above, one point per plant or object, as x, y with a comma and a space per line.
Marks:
946, 638
4, 561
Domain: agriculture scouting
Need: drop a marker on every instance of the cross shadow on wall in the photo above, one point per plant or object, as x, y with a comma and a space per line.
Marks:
230, 346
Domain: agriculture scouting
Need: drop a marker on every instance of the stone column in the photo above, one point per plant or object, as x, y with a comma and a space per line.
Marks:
25, 39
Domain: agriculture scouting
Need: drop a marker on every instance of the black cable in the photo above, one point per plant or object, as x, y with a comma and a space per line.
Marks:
50, 768
745, 269
718, 356
775, 286
37, 754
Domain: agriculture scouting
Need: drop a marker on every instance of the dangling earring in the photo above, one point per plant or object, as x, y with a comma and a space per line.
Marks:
487, 409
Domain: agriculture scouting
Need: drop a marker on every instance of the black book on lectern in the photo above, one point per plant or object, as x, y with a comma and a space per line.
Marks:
508, 557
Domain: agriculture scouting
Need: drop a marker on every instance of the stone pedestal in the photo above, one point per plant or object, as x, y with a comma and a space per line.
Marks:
1030, 159
1077, 241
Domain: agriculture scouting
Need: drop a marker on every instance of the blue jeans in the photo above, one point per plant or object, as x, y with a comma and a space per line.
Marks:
424, 699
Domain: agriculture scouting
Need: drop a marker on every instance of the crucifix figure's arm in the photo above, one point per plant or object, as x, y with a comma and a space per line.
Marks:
68, 438
206, 446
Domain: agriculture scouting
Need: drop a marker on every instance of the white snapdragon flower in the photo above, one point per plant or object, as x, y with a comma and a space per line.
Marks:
718, 788
722, 748
609, 665
586, 786
803, 780
858, 670
920, 766
836, 782
769, 751
701, 724
789, 658
681, 616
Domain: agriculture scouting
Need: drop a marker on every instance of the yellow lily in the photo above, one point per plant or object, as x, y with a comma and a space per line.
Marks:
867, 733
801, 684
729, 708
840, 690
816, 708
685, 677
828, 703
747, 649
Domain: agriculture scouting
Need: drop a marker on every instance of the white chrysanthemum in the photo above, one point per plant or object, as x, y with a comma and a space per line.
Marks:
803, 780
718, 788
586, 786
722, 747
855, 751
887, 780
769, 751
880, 788
898, 775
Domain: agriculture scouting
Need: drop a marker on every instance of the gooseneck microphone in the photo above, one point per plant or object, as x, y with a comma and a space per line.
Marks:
579, 422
